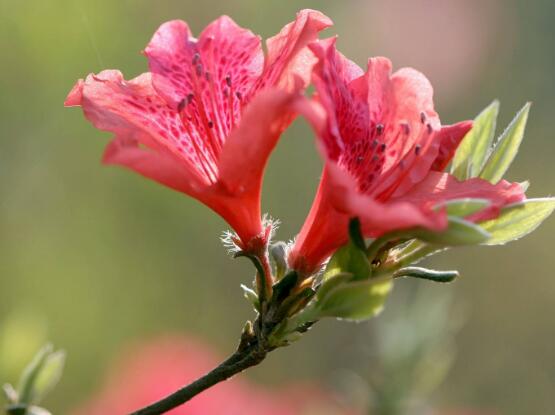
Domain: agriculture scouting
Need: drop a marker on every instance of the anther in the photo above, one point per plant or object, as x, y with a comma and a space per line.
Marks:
190, 98
228, 80
382, 147
181, 105
239, 95
406, 128
199, 69
207, 76
374, 144
379, 129
210, 124
196, 58
417, 149
429, 127
422, 117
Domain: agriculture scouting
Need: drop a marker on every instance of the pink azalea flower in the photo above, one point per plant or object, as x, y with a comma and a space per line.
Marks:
149, 371
205, 118
384, 150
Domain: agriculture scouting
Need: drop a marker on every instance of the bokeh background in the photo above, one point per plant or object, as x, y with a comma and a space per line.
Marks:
95, 257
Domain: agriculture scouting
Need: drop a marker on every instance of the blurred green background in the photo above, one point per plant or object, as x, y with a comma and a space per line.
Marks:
104, 257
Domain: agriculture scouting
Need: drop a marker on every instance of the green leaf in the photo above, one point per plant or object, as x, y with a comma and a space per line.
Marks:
349, 259
518, 220
464, 207
49, 375
426, 274
283, 287
458, 232
472, 152
278, 252
35, 410
26, 387
41, 375
251, 296
356, 300
506, 147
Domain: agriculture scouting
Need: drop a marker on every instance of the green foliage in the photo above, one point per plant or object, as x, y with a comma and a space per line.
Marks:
518, 220
458, 232
464, 207
506, 148
426, 274
38, 379
473, 150
349, 259
251, 296
41, 375
354, 300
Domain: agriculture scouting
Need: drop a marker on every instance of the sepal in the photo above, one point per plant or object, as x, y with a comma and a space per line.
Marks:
354, 300
518, 220
506, 148
474, 149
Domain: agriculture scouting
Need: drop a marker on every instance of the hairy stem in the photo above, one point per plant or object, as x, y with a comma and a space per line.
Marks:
245, 357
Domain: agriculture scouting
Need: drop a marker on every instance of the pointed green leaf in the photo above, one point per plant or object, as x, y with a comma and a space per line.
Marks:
464, 207
35, 410
49, 375
278, 251
458, 232
349, 259
251, 296
506, 148
355, 301
10, 393
426, 274
471, 153
26, 387
283, 287
518, 220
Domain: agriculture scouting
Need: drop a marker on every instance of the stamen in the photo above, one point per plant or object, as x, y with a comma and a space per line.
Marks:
417, 149
379, 129
422, 117
196, 58
199, 70
182, 104
228, 80
239, 95
406, 128
429, 127
382, 147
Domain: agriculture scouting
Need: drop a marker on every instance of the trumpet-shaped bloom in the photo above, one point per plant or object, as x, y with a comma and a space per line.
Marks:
149, 371
384, 150
205, 118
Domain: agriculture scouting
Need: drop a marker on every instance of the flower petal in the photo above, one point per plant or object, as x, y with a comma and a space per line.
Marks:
450, 137
343, 99
288, 58
246, 152
441, 187
162, 168
125, 107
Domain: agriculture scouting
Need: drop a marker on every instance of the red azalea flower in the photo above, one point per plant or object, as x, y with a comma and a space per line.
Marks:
384, 150
207, 116
149, 371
